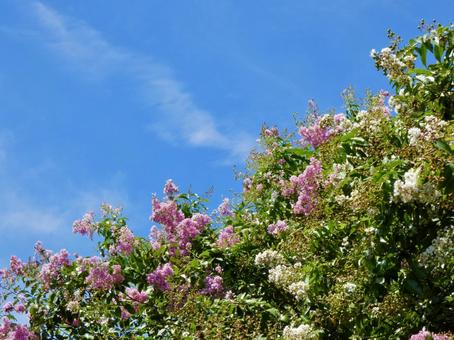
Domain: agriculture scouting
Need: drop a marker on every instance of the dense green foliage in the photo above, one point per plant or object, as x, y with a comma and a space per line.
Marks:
348, 233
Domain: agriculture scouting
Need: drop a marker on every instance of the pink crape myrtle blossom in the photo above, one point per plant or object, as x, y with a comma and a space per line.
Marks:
16, 265
307, 185
224, 208
425, 335
126, 242
158, 278
22, 333
277, 228
8, 307
156, 237
166, 213
323, 128
43, 253
313, 135
5, 327
124, 313
99, 276
170, 189
136, 295
19, 308
178, 231
273, 132
247, 184
11, 331
227, 237
188, 229
380, 105
213, 286
51, 270
85, 226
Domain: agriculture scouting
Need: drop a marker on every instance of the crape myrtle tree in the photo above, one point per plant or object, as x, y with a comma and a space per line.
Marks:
344, 230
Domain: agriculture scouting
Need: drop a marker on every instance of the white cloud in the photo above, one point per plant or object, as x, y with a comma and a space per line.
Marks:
23, 212
177, 117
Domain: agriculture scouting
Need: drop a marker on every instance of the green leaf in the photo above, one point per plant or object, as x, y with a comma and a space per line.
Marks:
438, 52
422, 51
448, 174
442, 145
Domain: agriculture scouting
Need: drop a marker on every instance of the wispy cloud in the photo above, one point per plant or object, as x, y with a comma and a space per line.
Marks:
22, 211
176, 116
25, 210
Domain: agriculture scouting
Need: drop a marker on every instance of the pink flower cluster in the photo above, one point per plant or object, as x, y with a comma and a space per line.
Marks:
156, 236
99, 276
125, 242
277, 228
84, 263
9, 307
306, 185
423, 335
158, 278
85, 226
51, 270
321, 130
227, 237
213, 286
186, 231
11, 331
136, 295
124, 314
166, 213
16, 265
224, 208
170, 189
273, 132
179, 231
43, 253
380, 105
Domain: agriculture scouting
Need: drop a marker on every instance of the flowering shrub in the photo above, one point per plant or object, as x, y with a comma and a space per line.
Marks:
344, 232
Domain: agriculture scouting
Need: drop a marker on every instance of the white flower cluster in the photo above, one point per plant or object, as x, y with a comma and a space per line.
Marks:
283, 275
395, 103
430, 129
391, 64
371, 120
298, 289
349, 287
355, 199
269, 258
441, 249
73, 306
409, 190
302, 332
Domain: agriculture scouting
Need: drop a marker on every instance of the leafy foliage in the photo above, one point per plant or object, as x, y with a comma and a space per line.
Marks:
346, 233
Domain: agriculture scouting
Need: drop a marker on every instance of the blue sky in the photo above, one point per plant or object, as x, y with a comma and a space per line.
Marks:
105, 100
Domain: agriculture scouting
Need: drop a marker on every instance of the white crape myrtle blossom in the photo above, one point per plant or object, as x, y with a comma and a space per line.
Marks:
429, 130
413, 135
391, 63
302, 332
442, 248
371, 121
409, 190
298, 289
269, 258
395, 104
433, 127
284, 276
73, 306
349, 287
